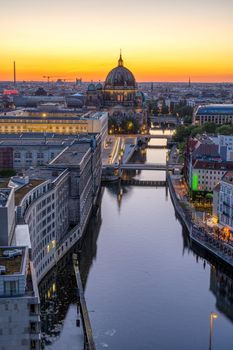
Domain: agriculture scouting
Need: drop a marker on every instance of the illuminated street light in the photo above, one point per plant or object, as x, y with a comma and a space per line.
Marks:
213, 316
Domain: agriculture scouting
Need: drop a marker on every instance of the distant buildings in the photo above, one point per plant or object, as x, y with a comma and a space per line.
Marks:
214, 113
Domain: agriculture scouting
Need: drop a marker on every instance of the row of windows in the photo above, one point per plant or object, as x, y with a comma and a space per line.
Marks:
211, 172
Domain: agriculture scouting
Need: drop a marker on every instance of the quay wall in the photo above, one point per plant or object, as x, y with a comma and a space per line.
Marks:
195, 233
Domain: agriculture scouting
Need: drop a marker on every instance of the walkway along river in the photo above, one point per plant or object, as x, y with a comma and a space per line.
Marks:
145, 287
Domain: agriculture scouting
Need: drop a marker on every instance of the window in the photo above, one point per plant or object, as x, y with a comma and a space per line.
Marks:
40, 155
33, 344
11, 287
33, 327
17, 155
28, 155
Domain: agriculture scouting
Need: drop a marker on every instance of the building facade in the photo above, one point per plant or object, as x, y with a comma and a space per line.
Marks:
214, 113
7, 216
19, 301
57, 201
59, 122
225, 202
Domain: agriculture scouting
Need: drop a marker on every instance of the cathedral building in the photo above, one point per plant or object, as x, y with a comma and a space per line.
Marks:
119, 94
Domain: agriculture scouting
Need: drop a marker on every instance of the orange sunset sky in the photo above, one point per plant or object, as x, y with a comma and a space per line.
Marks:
161, 40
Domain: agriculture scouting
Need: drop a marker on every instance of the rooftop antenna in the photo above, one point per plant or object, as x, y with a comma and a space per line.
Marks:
14, 73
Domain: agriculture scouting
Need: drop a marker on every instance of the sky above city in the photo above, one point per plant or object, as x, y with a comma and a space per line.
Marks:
161, 40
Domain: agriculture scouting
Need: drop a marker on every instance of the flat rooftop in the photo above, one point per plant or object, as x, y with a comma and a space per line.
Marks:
41, 139
51, 115
13, 265
22, 191
72, 156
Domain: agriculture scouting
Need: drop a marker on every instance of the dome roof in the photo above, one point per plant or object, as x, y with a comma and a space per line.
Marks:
99, 86
91, 87
120, 77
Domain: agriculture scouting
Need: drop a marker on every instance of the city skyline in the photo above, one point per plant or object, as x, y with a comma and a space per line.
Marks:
160, 42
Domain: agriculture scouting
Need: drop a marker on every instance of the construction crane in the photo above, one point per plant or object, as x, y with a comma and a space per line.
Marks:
48, 77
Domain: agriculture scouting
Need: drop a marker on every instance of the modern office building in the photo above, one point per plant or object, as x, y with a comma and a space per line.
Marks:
19, 301
22, 151
42, 215
54, 203
214, 113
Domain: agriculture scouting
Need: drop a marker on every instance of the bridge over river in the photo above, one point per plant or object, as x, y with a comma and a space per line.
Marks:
148, 136
152, 183
142, 166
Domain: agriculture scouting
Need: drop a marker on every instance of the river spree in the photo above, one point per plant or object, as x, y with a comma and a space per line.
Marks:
145, 287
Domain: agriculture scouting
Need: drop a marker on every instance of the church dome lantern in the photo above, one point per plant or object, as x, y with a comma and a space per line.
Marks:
120, 77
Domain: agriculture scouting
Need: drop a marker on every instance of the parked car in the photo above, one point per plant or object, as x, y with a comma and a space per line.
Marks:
12, 253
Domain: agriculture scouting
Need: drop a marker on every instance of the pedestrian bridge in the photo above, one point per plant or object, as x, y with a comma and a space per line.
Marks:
139, 166
152, 183
157, 136
165, 119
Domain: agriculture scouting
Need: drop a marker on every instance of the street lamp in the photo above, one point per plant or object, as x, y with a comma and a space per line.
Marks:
213, 316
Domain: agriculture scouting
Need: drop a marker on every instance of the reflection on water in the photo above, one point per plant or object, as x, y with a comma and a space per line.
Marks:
147, 287
221, 284
58, 290
144, 156
124, 271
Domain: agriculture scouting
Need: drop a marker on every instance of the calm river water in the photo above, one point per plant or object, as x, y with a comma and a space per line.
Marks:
145, 287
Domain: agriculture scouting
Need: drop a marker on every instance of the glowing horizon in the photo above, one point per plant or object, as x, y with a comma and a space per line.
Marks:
160, 41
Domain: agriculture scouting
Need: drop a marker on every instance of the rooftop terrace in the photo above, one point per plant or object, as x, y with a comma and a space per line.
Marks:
21, 192
13, 265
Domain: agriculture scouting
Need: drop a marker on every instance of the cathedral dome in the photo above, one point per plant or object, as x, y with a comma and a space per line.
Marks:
91, 87
99, 86
120, 77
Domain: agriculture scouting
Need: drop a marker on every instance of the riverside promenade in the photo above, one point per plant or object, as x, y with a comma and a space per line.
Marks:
198, 234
